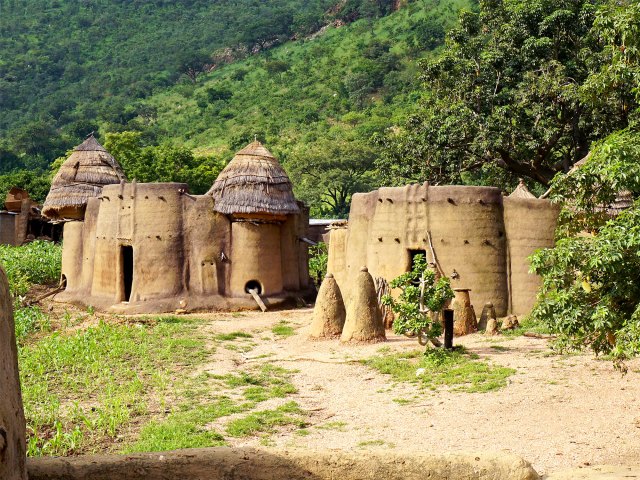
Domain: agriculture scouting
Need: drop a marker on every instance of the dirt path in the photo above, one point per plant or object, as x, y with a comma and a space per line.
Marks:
556, 412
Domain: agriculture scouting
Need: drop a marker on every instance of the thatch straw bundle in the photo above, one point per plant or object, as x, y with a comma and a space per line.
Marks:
254, 183
81, 176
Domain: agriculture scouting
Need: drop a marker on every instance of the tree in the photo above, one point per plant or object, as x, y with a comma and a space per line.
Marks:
590, 294
328, 172
510, 90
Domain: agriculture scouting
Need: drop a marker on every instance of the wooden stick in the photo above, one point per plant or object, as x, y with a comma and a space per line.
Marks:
256, 297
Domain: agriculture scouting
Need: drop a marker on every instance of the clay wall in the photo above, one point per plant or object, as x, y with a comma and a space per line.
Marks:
468, 232
8, 228
530, 225
256, 257
302, 227
148, 218
290, 248
466, 227
207, 243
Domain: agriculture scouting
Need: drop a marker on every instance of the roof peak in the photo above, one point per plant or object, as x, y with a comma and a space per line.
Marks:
256, 149
90, 145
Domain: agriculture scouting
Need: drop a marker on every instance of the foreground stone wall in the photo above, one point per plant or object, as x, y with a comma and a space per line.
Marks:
481, 240
254, 464
12, 423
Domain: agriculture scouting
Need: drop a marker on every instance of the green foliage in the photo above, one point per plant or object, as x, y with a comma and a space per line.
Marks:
438, 367
29, 320
163, 163
318, 258
590, 294
37, 262
422, 294
36, 182
510, 90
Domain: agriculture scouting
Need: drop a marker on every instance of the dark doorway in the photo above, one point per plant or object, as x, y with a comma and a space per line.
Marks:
412, 258
127, 271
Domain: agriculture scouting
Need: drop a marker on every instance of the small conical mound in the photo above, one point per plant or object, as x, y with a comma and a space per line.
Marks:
329, 312
81, 177
254, 183
363, 322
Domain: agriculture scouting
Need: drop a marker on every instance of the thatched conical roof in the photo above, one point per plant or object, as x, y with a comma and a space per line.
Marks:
521, 191
254, 183
81, 176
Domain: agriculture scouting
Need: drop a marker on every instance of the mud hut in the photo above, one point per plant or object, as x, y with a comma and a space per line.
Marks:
466, 231
81, 177
153, 247
256, 194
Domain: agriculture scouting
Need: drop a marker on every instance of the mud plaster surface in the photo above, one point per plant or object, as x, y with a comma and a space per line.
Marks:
556, 412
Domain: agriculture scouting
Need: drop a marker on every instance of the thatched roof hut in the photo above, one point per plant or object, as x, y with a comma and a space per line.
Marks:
81, 176
521, 191
254, 184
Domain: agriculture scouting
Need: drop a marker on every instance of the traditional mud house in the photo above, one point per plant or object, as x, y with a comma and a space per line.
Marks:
153, 247
479, 239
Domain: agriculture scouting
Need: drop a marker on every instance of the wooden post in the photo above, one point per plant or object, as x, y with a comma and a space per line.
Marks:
448, 329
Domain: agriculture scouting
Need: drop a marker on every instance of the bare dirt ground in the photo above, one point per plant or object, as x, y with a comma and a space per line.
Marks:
557, 411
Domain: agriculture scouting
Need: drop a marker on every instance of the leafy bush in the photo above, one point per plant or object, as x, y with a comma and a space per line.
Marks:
422, 294
318, 258
590, 294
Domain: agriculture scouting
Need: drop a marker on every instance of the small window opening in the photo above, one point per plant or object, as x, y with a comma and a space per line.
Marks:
63, 282
127, 271
253, 285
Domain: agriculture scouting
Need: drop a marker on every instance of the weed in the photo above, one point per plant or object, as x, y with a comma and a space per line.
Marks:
283, 329
88, 385
222, 337
29, 320
402, 401
186, 428
375, 443
264, 421
337, 425
439, 367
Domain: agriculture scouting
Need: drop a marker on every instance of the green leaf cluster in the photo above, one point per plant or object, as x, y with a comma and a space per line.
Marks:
422, 295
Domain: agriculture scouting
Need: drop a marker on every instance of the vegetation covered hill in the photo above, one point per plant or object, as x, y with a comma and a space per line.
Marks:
137, 71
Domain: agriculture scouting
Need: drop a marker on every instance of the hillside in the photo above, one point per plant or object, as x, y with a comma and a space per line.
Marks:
316, 101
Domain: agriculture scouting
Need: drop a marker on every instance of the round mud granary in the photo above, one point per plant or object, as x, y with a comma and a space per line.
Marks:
256, 193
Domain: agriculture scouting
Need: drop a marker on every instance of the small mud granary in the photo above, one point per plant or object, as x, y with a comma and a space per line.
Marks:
153, 247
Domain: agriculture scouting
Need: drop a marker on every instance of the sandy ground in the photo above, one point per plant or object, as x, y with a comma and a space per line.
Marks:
558, 411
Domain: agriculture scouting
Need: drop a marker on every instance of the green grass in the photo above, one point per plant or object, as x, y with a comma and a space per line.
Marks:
186, 428
82, 388
265, 421
262, 384
456, 370
223, 337
283, 329
337, 425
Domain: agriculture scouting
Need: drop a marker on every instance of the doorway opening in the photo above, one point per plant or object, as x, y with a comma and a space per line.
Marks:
126, 252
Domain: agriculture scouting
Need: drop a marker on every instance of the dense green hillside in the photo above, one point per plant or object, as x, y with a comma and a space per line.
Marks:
139, 67
68, 65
